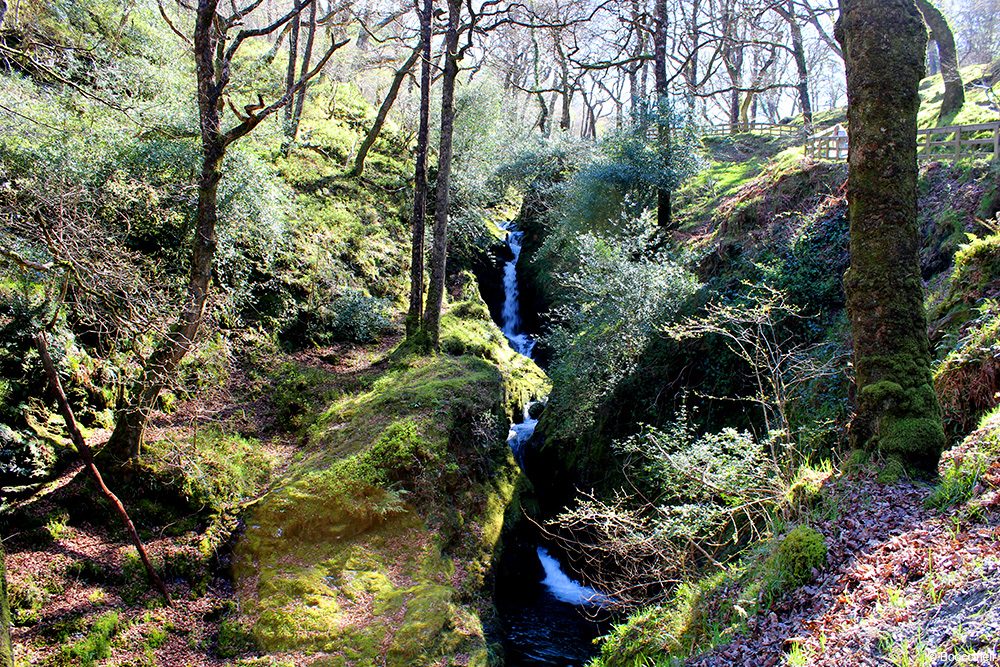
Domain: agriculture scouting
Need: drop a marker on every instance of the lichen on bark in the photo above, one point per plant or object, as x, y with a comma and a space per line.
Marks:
897, 411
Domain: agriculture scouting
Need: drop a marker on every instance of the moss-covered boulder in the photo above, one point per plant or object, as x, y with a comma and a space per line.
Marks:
377, 546
798, 554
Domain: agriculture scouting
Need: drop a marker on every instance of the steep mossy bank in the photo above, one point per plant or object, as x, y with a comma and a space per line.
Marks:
377, 548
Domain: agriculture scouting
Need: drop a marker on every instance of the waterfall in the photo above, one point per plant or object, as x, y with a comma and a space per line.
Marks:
556, 582
511, 316
563, 588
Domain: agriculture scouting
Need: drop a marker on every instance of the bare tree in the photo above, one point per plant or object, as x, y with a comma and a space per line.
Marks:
383, 110
439, 252
941, 34
788, 13
214, 48
415, 314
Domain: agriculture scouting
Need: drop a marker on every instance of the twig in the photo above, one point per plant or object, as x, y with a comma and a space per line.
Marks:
87, 455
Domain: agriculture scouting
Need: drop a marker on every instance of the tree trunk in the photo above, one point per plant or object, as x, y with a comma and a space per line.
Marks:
383, 112
565, 119
954, 89
801, 67
300, 96
126, 440
897, 410
439, 252
130, 425
543, 114
87, 456
415, 314
290, 72
664, 214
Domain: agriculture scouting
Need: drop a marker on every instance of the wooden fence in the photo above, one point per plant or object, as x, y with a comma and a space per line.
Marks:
937, 143
766, 129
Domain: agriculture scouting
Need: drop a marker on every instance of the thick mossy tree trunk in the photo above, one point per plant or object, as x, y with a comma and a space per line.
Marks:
439, 251
941, 34
897, 410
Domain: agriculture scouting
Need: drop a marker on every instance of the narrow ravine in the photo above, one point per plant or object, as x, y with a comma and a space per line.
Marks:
547, 617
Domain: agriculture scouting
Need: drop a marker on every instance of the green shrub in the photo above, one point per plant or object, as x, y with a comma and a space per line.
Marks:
350, 317
24, 458
57, 525
617, 299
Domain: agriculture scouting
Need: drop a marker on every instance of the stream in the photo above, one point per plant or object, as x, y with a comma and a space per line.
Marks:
547, 617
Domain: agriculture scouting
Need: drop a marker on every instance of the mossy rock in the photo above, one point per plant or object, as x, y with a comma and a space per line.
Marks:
377, 545
798, 554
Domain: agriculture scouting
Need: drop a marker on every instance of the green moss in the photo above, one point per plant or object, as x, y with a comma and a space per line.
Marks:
976, 109
807, 486
911, 436
208, 470
798, 554
893, 471
95, 645
376, 545
234, 639
26, 598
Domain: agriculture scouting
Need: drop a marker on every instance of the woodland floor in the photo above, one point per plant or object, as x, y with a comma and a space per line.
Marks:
81, 570
905, 585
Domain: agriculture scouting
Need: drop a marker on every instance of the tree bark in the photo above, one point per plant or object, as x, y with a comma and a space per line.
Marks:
383, 112
419, 220
87, 455
293, 57
897, 410
439, 252
300, 96
212, 70
941, 34
801, 66
664, 213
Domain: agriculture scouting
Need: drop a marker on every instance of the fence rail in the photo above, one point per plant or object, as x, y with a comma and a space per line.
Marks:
938, 143
766, 129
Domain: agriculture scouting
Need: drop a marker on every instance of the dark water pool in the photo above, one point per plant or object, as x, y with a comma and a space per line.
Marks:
540, 625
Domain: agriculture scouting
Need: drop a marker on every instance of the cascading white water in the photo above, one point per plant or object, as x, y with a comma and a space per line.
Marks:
563, 588
511, 316
556, 582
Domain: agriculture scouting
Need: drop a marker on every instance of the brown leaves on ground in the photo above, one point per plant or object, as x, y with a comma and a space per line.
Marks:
905, 585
